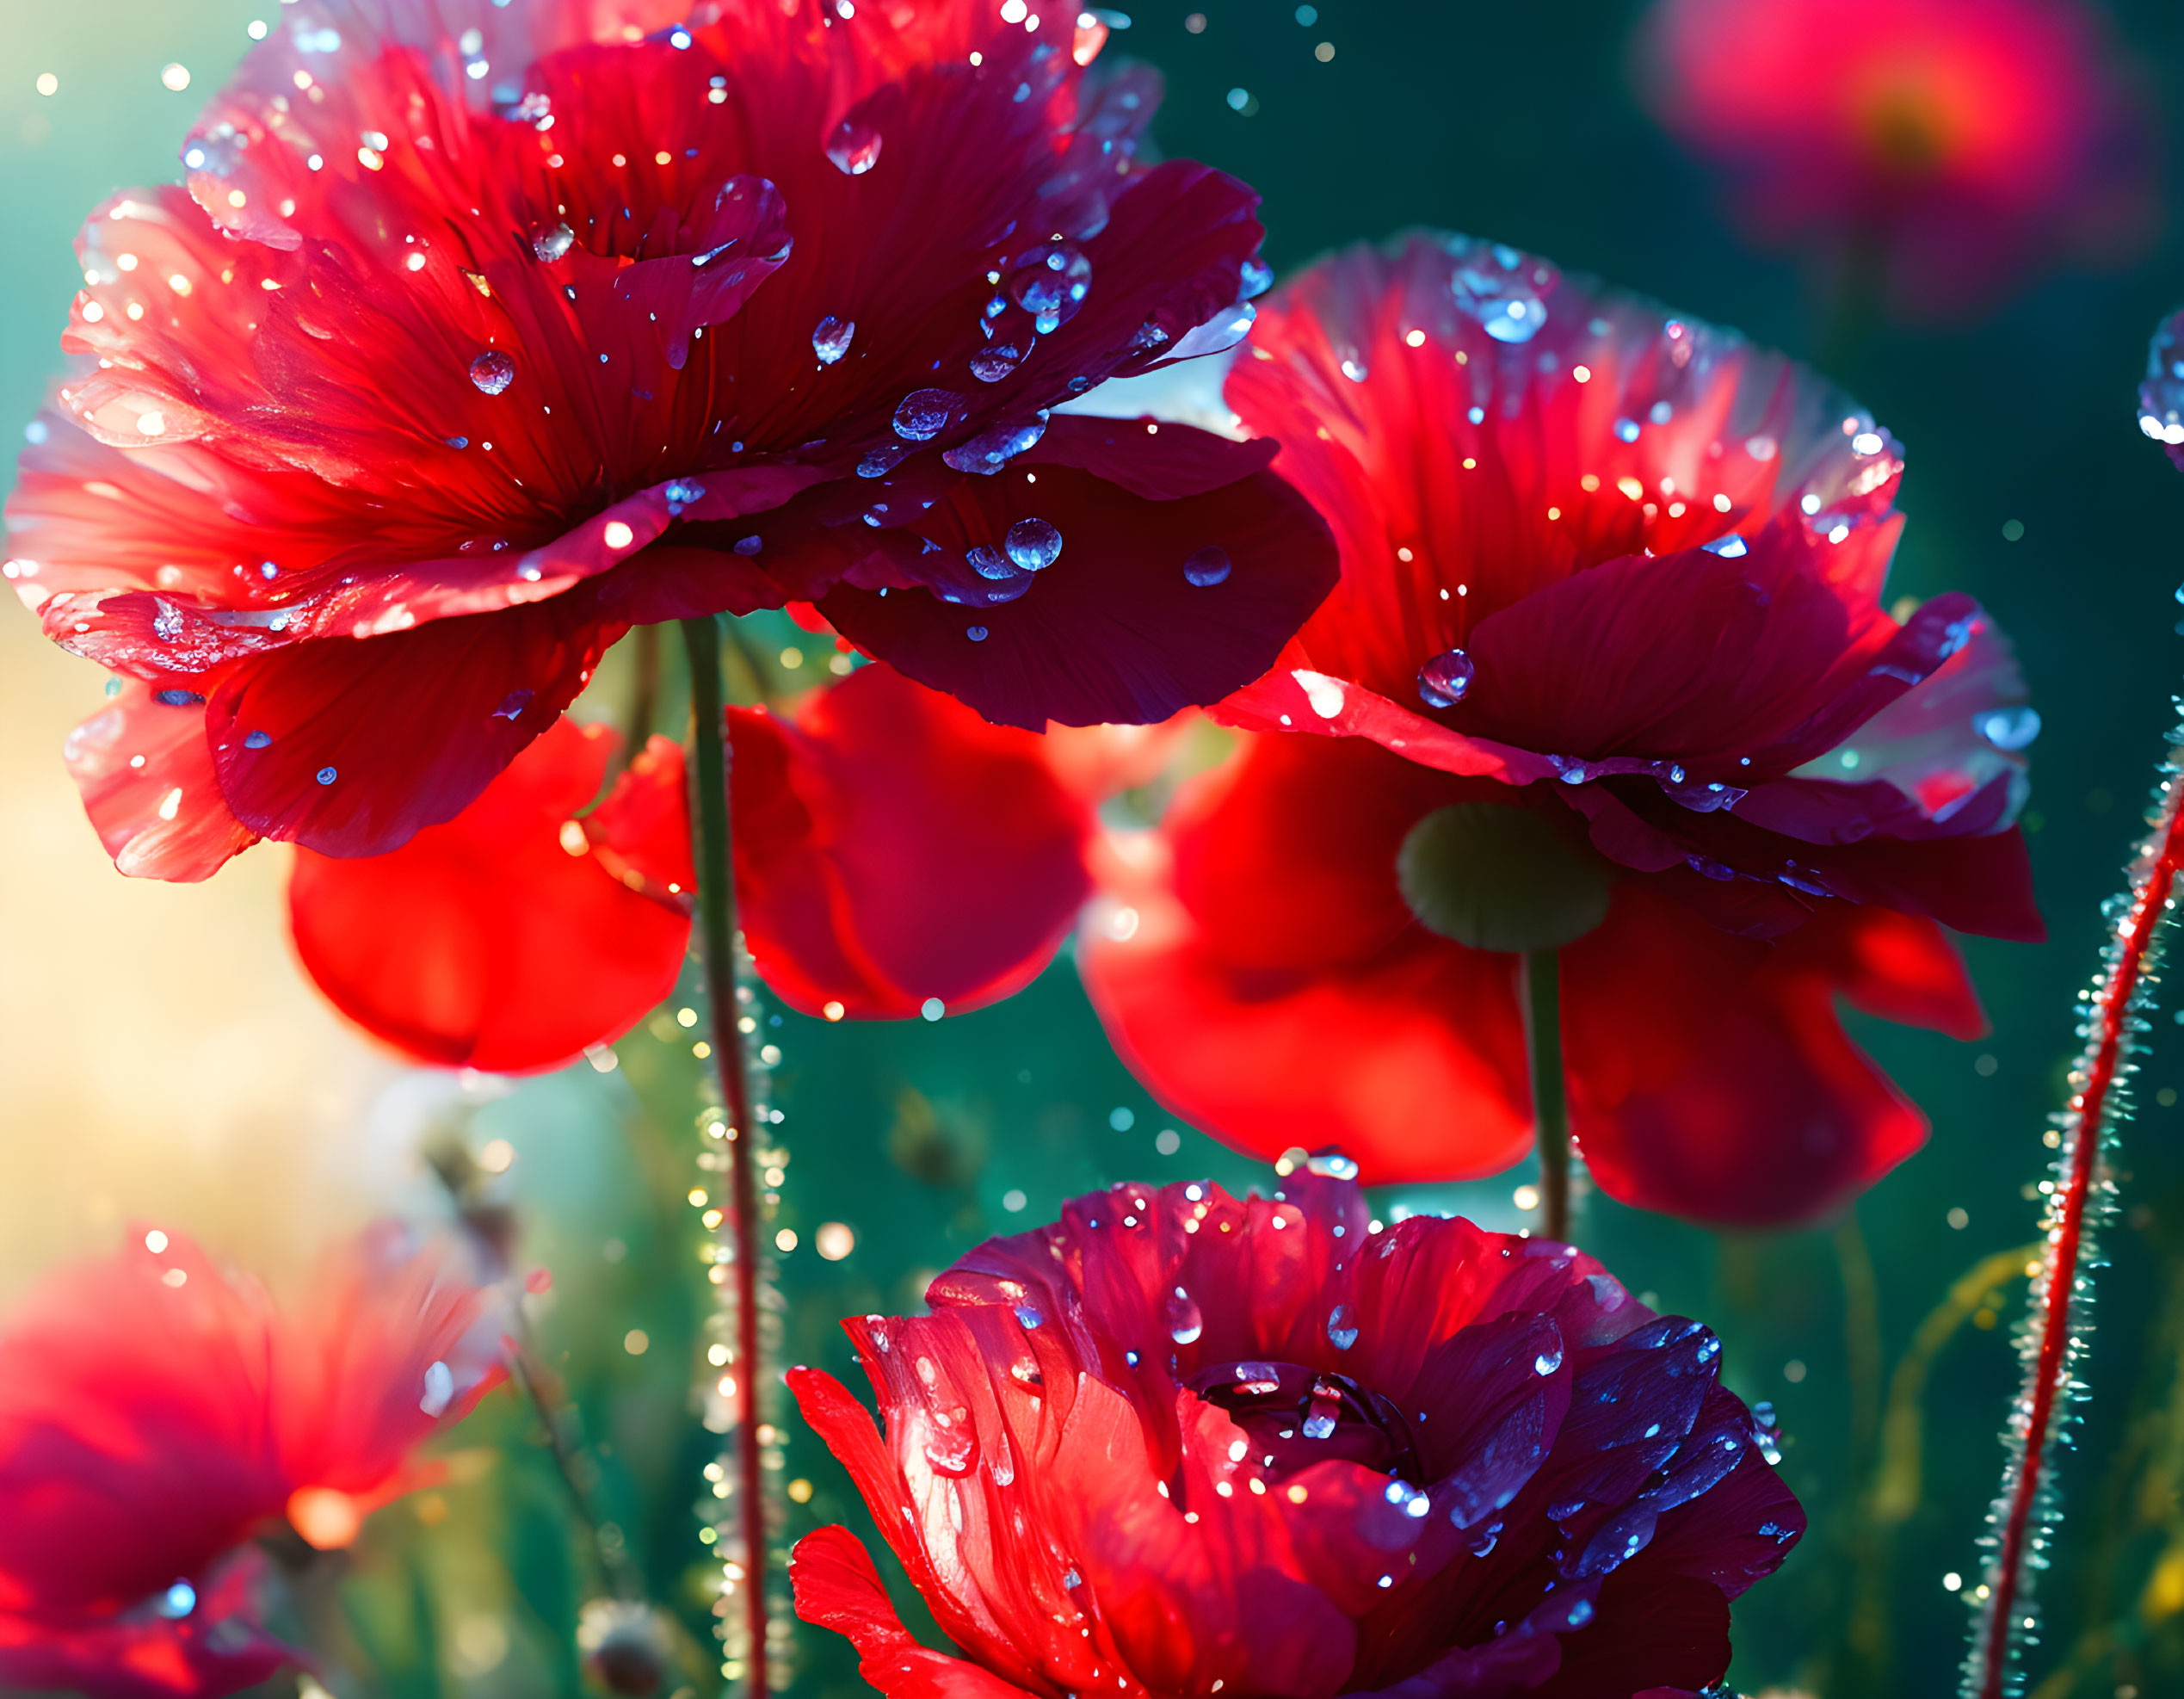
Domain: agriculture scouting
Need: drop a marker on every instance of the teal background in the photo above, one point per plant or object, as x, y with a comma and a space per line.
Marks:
1513, 121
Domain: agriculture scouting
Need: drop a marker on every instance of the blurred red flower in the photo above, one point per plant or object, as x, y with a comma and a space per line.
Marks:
890, 846
484, 332
1954, 145
157, 1412
1179, 1443
1610, 601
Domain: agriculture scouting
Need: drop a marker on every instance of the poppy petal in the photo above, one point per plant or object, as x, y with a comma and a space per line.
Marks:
1710, 1077
836, 1587
219, 1648
348, 746
498, 940
1148, 607
893, 847
1367, 1059
145, 774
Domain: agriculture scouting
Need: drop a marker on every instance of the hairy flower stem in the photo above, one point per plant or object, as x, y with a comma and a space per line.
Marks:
716, 934
2055, 1328
1539, 973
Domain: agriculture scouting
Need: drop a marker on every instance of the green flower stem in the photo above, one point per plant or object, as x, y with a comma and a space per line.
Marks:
1540, 976
717, 935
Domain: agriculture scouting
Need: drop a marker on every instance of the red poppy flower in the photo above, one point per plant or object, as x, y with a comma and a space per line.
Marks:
1955, 143
890, 846
156, 1412
485, 331
1181, 1442
1614, 577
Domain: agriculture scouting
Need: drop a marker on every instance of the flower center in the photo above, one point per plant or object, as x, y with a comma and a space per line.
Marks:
1295, 1417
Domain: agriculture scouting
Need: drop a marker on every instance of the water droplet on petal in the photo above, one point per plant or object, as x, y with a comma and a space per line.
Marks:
987, 563
1341, 1327
884, 459
2009, 728
1443, 680
1548, 1361
326, 775
1051, 284
923, 414
256, 740
993, 447
492, 371
995, 360
551, 245
1028, 1315
1185, 1319
177, 1602
952, 1450
513, 704
1501, 289
854, 147
976, 633
1207, 566
830, 340
1033, 544
1325, 1412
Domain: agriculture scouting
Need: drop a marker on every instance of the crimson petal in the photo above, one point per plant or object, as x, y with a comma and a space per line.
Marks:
891, 847
348, 746
1148, 608
1710, 1076
496, 940
145, 774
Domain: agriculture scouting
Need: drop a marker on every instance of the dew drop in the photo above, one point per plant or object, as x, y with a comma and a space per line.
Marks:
1326, 1410
1547, 1361
1033, 544
256, 740
1443, 680
551, 245
830, 339
854, 147
176, 1602
492, 371
987, 563
2009, 728
326, 775
1185, 1319
995, 360
923, 414
976, 633
1341, 1327
1028, 1315
513, 704
884, 460
1207, 566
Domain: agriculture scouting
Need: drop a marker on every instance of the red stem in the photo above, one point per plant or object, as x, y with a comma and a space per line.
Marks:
2112, 1014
